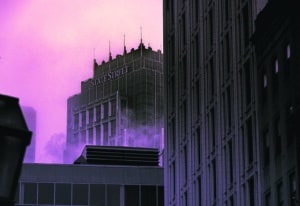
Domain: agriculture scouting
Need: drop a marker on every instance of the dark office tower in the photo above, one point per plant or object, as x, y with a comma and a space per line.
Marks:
277, 41
211, 153
121, 104
30, 117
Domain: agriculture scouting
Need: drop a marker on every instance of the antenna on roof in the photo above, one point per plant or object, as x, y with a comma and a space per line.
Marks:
124, 44
141, 33
110, 57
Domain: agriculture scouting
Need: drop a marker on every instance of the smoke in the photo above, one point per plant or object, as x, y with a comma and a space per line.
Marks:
54, 148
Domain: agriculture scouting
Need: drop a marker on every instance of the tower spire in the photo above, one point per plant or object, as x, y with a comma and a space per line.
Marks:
141, 33
124, 44
110, 57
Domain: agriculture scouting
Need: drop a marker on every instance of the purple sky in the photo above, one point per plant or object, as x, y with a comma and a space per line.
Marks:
47, 49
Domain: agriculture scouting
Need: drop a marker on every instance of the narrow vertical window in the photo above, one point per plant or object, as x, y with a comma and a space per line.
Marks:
288, 51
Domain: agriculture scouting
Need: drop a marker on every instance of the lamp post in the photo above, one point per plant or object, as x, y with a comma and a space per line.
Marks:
14, 138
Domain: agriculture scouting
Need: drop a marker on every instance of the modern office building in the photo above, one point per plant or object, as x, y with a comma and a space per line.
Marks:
122, 104
105, 184
211, 134
31, 120
277, 41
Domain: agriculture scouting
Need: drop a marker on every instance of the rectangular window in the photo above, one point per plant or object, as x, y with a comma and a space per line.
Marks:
251, 192
80, 194
76, 121
91, 115
46, 193
288, 51
211, 74
132, 194
230, 161
113, 195
247, 85
97, 194
210, 28
268, 199
83, 118
148, 195
292, 189
246, 32
98, 113
63, 194
30, 193
250, 139
277, 136
280, 198
266, 147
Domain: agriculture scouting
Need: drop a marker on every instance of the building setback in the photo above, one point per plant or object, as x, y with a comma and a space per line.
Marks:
105, 185
277, 41
122, 104
211, 135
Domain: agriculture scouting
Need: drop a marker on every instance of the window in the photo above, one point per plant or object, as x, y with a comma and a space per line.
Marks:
97, 194
148, 195
292, 189
247, 84
30, 193
265, 83
76, 121
83, 118
46, 193
91, 115
266, 147
63, 194
113, 195
280, 198
277, 136
246, 32
132, 195
288, 51
276, 66
268, 199
250, 139
251, 192
80, 194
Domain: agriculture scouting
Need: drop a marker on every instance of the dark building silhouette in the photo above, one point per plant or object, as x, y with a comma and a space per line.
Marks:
212, 153
277, 43
31, 120
122, 104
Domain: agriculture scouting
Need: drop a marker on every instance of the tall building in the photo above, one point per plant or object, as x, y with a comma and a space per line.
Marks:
31, 120
211, 134
121, 104
276, 41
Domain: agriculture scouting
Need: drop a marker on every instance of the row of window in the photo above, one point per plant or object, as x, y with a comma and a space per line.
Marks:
95, 114
89, 194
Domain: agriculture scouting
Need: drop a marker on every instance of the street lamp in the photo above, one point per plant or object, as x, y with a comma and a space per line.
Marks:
14, 138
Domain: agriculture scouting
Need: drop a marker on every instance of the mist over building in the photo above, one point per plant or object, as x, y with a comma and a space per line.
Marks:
121, 105
31, 120
232, 98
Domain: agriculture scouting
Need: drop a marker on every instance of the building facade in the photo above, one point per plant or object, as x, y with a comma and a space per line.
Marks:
121, 104
105, 185
277, 49
211, 124
31, 120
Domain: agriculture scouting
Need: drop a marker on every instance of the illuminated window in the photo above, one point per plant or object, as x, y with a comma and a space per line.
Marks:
265, 81
276, 67
288, 51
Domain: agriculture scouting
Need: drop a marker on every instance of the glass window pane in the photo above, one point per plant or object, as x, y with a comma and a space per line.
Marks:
113, 195
148, 195
131, 195
97, 194
80, 194
63, 194
46, 193
30, 193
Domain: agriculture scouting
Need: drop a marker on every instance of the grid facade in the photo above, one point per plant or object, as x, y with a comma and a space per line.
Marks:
278, 101
121, 105
211, 153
